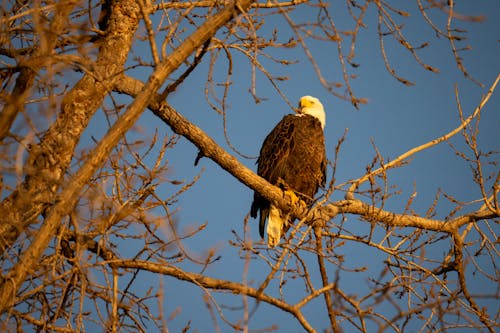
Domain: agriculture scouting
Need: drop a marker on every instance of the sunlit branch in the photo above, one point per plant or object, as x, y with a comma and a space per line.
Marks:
452, 38
458, 252
413, 151
146, 9
212, 3
324, 278
214, 284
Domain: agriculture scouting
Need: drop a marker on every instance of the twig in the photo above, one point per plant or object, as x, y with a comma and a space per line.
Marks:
350, 193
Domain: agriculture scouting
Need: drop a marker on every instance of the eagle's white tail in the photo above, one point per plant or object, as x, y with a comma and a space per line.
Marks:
275, 223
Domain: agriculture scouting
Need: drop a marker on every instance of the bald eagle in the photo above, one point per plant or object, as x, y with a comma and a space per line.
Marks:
293, 158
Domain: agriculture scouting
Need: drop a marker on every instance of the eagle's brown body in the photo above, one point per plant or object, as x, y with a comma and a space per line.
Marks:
292, 157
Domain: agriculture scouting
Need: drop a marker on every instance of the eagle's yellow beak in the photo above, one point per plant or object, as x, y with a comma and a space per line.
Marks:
303, 102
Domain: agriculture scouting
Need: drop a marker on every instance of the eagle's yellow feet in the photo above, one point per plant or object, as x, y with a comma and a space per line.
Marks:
294, 199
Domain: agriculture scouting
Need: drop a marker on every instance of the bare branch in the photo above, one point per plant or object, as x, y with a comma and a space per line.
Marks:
413, 151
215, 284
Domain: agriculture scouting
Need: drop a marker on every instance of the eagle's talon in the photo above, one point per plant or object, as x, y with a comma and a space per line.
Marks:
292, 197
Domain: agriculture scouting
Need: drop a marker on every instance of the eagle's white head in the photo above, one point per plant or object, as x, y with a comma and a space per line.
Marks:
312, 106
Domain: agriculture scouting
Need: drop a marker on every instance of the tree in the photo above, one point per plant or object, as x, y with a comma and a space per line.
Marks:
91, 235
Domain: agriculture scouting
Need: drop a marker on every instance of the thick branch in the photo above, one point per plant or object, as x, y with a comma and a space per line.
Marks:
372, 213
321, 214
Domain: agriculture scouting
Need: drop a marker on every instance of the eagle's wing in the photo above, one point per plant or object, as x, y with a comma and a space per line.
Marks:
275, 150
272, 163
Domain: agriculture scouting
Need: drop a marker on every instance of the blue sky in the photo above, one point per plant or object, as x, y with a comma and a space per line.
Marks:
396, 118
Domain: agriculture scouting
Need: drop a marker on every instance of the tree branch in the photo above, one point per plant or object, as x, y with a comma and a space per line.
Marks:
31, 66
214, 284
324, 278
460, 268
401, 158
